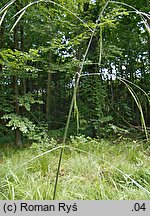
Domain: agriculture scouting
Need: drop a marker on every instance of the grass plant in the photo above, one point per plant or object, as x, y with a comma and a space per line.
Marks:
89, 171
104, 173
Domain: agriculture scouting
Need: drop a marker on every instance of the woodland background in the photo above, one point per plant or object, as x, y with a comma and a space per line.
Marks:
41, 55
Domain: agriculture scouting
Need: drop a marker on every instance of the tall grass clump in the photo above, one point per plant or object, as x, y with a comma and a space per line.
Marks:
93, 169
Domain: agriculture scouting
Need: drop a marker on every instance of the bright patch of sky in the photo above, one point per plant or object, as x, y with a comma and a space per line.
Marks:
93, 1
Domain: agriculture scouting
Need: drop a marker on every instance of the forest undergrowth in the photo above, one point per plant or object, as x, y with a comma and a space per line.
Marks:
91, 169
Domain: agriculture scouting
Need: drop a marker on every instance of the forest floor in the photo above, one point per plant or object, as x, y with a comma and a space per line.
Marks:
91, 170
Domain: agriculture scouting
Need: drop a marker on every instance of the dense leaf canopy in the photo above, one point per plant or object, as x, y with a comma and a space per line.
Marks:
96, 51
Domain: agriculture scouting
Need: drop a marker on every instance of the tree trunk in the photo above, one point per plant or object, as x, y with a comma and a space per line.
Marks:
18, 138
48, 100
18, 134
1, 42
2, 122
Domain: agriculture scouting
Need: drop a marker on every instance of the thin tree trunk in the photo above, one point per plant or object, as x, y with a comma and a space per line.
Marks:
48, 100
18, 134
2, 122
23, 80
1, 42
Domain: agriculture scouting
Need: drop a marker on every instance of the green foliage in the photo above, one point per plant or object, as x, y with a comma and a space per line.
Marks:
6, 104
16, 62
54, 38
36, 134
28, 100
22, 123
39, 137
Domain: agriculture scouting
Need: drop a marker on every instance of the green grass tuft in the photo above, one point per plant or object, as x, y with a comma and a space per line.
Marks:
90, 170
